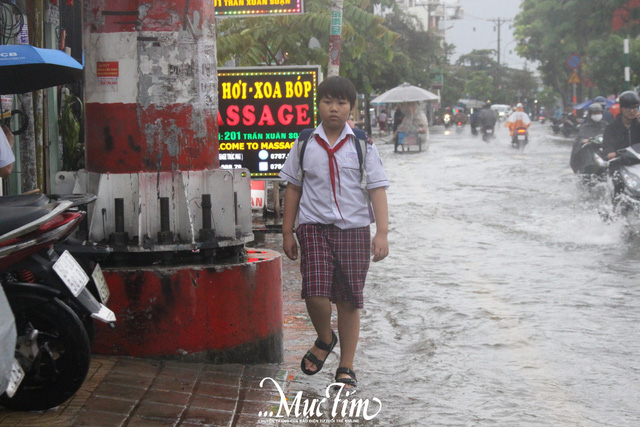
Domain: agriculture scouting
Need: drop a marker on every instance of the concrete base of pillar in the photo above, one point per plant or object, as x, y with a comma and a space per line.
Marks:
221, 313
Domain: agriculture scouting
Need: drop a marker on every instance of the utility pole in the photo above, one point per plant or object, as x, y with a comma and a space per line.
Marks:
335, 38
627, 68
498, 23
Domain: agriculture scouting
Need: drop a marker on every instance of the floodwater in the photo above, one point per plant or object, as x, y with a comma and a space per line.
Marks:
506, 300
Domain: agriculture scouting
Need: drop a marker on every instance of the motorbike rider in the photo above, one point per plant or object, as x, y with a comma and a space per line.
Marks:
593, 125
606, 114
414, 121
487, 117
518, 119
460, 117
622, 133
625, 129
447, 117
474, 120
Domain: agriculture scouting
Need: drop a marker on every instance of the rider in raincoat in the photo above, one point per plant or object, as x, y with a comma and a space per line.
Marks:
517, 119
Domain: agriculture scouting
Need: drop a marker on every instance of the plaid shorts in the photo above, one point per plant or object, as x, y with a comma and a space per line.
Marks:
334, 262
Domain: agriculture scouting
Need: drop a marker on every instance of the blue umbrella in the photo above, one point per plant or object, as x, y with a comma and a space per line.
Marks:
586, 104
24, 68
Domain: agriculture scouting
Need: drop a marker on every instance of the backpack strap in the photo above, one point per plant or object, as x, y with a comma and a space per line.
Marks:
361, 148
303, 139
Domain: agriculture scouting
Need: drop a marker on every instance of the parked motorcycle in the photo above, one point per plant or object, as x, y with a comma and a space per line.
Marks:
48, 294
520, 138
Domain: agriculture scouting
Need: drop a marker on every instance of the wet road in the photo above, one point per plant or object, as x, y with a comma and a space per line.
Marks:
506, 300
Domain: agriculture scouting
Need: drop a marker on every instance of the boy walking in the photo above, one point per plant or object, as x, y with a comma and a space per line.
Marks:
334, 217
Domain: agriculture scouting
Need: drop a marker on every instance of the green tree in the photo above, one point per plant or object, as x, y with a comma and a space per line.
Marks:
549, 31
479, 85
603, 65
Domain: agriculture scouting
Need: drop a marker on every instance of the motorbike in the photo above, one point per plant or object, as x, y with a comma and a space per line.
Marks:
487, 133
589, 164
50, 300
556, 125
459, 127
569, 128
520, 138
624, 171
446, 120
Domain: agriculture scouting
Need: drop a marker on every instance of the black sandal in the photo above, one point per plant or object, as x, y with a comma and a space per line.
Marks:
312, 357
351, 382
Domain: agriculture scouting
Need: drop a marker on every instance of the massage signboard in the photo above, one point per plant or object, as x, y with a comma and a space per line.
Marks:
261, 111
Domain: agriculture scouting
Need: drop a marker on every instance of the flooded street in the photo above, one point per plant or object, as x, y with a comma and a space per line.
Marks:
506, 300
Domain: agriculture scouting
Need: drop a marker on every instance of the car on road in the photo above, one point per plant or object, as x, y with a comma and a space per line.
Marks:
502, 111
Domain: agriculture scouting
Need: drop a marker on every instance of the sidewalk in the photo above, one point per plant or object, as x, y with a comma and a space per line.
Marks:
125, 391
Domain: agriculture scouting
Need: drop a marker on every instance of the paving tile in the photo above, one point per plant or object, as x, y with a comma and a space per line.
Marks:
173, 384
232, 369
154, 410
170, 397
245, 420
146, 422
260, 395
260, 409
193, 366
264, 383
220, 378
98, 419
108, 389
141, 368
111, 405
219, 390
208, 417
129, 379
178, 373
210, 402
261, 371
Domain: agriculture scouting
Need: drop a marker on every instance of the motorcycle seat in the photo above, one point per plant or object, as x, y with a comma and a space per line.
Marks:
24, 200
16, 216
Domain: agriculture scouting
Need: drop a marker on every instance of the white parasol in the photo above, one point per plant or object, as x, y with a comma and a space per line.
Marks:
405, 93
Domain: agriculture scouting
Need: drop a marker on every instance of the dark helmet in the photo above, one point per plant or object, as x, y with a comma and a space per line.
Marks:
595, 108
600, 100
629, 99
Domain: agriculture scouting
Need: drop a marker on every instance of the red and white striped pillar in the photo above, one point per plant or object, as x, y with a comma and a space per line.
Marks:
152, 159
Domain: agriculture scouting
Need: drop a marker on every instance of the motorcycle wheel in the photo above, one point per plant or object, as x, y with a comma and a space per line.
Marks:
64, 356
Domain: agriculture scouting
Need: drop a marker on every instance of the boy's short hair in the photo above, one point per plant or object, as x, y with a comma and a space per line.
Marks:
337, 87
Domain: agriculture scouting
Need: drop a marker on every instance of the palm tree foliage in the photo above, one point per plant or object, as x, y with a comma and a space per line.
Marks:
378, 52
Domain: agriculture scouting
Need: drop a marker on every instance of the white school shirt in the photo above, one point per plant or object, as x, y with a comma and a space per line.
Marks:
317, 204
6, 153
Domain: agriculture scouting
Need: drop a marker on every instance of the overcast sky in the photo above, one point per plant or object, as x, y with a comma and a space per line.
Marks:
476, 29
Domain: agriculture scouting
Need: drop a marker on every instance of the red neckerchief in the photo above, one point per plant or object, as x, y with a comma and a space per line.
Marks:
332, 161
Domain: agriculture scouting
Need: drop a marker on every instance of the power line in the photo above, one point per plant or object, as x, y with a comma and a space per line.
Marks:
498, 23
